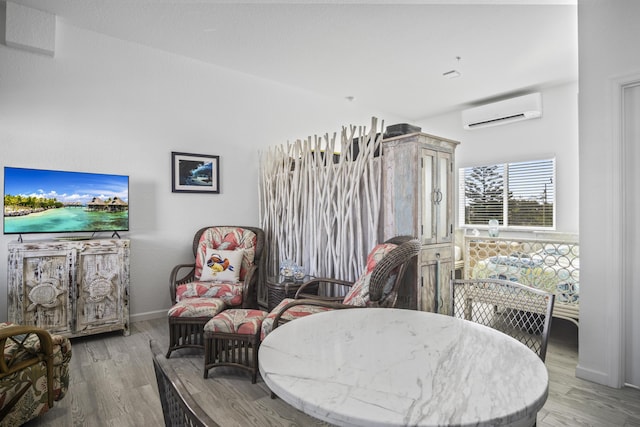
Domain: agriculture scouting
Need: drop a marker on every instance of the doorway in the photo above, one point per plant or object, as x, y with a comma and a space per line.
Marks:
631, 225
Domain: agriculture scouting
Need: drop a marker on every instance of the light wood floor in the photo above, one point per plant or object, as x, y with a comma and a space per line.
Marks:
113, 384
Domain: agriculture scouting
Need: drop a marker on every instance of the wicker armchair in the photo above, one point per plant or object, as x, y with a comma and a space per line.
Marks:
376, 287
34, 372
224, 237
517, 310
200, 290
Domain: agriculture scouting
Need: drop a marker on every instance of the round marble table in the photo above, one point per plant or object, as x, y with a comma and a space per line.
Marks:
385, 367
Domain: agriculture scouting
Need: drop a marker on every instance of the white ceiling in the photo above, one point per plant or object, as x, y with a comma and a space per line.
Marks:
386, 55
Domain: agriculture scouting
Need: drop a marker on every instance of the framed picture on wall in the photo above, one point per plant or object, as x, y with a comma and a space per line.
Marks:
195, 173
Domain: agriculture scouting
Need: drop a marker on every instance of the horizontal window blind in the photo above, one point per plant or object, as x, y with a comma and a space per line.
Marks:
518, 194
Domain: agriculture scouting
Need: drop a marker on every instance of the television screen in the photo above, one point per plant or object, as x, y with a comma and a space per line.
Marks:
50, 201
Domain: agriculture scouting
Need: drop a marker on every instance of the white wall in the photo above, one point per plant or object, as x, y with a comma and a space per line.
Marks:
555, 134
108, 106
608, 39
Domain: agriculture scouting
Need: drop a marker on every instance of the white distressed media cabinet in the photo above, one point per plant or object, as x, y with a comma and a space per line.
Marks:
71, 288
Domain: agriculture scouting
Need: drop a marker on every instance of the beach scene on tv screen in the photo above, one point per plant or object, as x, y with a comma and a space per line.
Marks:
46, 201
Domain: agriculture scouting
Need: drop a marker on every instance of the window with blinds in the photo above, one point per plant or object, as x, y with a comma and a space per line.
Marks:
517, 195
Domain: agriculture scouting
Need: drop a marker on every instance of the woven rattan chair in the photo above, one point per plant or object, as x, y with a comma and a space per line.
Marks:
377, 287
178, 406
510, 307
34, 372
193, 298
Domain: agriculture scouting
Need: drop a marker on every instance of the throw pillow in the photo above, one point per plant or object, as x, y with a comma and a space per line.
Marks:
221, 266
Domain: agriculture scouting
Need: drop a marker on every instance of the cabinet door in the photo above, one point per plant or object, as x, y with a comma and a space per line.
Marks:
436, 269
437, 191
430, 196
100, 290
446, 275
39, 288
443, 208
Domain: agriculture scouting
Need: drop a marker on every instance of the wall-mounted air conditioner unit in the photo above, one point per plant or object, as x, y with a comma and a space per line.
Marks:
503, 112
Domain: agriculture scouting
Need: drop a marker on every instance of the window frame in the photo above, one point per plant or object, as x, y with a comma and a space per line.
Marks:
461, 196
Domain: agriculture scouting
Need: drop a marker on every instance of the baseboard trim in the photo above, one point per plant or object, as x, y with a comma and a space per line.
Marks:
594, 376
150, 315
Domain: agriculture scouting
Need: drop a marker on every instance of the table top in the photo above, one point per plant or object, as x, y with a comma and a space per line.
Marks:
383, 366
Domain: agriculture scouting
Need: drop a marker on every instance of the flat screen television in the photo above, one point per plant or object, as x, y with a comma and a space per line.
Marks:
52, 201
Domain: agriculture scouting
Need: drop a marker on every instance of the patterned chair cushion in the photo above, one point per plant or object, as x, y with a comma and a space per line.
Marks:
227, 238
237, 321
359, 293
34, 402
197, 307
230, 293
293, 313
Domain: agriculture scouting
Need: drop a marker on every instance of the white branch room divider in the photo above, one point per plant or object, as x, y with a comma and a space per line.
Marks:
320, 209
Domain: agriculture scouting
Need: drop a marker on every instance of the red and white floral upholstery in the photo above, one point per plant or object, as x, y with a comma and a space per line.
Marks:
357, 296
232, 338
230, 293
236, 321
291, 314
359, 293
197, 307
226, 239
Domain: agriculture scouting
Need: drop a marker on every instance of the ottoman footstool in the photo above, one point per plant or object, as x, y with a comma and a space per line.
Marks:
187, 319
232, 338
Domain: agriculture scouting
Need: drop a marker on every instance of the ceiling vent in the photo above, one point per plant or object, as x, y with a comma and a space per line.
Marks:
503, 112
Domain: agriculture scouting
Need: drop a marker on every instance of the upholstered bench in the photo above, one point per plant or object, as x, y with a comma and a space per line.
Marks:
187, 319
232, 338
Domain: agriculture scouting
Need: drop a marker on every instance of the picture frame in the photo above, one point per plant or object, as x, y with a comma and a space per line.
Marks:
195, 173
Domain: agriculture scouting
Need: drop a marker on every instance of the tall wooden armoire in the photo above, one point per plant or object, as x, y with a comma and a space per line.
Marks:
419, 200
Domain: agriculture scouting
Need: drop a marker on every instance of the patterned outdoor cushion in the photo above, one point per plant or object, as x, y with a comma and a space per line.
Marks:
230, 293
237, 321
230, 239
222, 266
197, 307
293, 313
359, 293
34, 402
